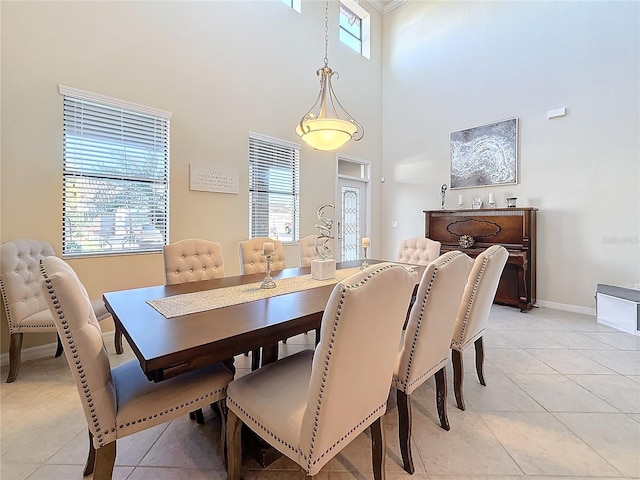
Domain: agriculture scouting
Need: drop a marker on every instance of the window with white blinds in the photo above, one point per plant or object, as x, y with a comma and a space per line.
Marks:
274, 188
115, 176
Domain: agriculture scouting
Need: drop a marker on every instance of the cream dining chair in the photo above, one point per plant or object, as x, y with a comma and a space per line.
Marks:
306, 250
192, 260
252, 260
473, 314
418, 250
424, 349
24, 303
311, 405
121, 401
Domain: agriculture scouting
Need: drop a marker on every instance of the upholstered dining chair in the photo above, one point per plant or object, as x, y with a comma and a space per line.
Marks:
424, 349
309, 406
473, 314
191, 260
307, 250
251, 259
418, 250
121, 401
24, 304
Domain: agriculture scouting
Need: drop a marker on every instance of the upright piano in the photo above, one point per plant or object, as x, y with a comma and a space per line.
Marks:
472, 231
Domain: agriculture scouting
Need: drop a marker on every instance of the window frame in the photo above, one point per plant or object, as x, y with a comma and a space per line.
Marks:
365, 27
115, 155
283, 152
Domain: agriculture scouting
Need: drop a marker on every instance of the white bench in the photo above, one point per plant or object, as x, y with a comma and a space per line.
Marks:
618, 307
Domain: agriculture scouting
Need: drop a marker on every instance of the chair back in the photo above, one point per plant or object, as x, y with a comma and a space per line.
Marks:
478, 296
307, 250
192, 260
251, 260
418, 250
433, 315
20, 285
354, 360
83, 346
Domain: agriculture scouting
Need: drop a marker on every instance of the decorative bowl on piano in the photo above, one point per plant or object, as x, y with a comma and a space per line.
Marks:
466, 241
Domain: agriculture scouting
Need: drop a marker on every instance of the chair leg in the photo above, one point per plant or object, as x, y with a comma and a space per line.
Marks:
378, 449
441, 397
59, 348
117, 339
197, 415
15, 352
105, 460
480, 360
458, 377
404, 429
91, 458
234, 446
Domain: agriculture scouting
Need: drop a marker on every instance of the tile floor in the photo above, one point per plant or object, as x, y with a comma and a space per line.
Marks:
562, 401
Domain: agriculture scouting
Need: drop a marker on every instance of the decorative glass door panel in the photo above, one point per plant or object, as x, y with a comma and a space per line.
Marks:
350, 222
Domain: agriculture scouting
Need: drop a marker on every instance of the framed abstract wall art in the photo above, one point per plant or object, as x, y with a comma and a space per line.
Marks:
485, 155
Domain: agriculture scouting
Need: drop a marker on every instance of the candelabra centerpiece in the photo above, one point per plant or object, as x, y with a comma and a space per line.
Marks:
268, 250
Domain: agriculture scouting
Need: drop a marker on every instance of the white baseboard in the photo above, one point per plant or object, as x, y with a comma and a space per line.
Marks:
566, 307
43, 351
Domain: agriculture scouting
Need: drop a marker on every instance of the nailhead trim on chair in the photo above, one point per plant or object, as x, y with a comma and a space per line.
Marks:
457, 344
327, 362
405, 383
89, 399
294, 449
6, 307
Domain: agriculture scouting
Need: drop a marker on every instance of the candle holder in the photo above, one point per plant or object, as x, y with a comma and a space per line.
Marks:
268, 281
364, 260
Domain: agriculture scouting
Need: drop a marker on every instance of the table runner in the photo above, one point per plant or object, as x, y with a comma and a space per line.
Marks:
187, 303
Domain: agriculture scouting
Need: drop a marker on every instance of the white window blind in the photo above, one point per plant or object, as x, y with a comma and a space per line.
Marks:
274, 188
115, 176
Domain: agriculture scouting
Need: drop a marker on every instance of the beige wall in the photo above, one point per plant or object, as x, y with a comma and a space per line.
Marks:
452, 65
222, 68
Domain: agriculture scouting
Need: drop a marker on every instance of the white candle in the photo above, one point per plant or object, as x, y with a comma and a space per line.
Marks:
491, 199
460, 200
366, 241
267, 248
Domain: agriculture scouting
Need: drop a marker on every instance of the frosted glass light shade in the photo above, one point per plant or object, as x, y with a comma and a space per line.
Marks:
326, 133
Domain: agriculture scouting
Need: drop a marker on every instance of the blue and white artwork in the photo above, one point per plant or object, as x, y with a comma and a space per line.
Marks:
485, 155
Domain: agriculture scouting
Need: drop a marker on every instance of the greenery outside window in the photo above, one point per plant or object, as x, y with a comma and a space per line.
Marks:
274, 188
115, 176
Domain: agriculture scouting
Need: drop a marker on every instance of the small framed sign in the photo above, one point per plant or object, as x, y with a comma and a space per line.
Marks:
214, 179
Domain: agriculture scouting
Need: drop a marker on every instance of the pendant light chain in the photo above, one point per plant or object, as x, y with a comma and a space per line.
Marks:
326, 34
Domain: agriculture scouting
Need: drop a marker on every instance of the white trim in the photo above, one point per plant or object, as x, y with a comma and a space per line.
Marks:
277, 141
567, 308
113, 102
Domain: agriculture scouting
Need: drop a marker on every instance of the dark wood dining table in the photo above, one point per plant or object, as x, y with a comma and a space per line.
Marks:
166, 347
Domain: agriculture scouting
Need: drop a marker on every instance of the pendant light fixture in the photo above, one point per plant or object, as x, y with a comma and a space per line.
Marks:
327, 125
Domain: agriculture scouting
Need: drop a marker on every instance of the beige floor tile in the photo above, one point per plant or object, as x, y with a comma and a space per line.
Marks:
580, 341
611, 435
569, 362
469, 448
521, 339
556, 393
167, 473
622, 362
17, 471
621, 392
617, 339
186, 444
509, 360
541, 445
500, 394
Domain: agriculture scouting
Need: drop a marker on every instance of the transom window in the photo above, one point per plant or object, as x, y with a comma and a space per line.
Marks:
355, 26
115, 176
274, 188
294, 4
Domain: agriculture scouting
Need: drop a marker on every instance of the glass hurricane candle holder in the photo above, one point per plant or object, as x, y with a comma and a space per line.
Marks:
364, 260
268, 281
